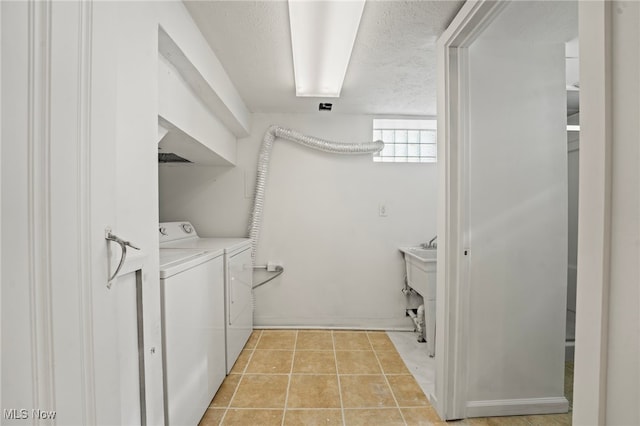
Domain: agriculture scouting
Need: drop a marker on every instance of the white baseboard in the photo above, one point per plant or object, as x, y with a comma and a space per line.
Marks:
403, 323
515, 407
433, 400
323, 327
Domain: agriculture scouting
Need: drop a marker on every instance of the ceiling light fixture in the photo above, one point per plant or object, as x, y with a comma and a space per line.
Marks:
322, 36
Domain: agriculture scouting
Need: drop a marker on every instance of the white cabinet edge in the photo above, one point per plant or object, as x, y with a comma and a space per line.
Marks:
135, 261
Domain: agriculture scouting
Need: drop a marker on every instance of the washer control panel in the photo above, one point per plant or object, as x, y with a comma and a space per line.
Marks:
172, 231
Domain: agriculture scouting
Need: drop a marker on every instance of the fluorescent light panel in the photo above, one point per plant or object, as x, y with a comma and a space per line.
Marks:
322, 37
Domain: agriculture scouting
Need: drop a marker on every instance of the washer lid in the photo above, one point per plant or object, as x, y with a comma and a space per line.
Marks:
174, 261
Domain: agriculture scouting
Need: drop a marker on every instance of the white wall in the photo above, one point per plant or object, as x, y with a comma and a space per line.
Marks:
137, 115
607, 381
342, 266
136, 150
54, 190
518, 225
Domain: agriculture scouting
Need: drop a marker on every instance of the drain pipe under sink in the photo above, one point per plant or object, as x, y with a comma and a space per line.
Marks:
418, 320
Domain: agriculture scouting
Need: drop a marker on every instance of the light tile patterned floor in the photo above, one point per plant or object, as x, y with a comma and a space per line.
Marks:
324, 377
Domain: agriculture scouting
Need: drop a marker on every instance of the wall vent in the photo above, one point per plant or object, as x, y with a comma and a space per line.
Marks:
170, 157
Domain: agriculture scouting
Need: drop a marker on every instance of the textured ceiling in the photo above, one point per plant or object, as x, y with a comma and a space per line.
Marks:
392, 68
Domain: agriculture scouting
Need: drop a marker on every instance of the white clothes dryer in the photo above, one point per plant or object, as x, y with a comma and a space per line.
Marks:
238, 279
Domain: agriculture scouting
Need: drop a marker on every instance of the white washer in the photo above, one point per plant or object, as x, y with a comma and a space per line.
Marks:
238, 279
192, 308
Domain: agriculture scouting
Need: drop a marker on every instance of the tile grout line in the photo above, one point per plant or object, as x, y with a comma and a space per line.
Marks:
325, 374
350, 408
335, 359
375, 352
240, 381
286, 395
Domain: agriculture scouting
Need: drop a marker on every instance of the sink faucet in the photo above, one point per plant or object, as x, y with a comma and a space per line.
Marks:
431, 244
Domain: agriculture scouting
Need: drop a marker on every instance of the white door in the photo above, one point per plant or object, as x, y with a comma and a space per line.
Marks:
62, 328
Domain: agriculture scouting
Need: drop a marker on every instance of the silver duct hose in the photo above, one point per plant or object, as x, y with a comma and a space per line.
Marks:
270, 136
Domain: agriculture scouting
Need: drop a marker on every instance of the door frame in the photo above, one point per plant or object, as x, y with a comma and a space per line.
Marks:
594, 210
51, 97
595, 25
452, 321
60, 137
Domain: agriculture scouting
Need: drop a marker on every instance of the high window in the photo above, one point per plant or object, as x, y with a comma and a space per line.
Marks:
405, 140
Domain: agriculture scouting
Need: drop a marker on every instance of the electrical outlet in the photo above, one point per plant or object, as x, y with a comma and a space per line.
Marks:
382, 210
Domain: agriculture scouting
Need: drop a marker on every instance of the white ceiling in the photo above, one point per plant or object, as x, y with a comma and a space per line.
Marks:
392, 68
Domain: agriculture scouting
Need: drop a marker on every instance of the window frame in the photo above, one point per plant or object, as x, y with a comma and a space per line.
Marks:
417, 144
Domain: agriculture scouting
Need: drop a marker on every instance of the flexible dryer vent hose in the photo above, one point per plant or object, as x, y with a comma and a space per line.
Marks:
270, 136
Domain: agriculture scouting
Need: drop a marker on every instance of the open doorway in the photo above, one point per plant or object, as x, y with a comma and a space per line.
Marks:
573, 168
505, 215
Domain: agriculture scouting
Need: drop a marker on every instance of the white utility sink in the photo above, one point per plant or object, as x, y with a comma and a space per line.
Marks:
421, 254
421, 264
421, 270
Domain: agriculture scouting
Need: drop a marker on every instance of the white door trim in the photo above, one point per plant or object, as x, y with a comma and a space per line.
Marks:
453, 283
59, 145
511, 407
86, 273
54, 64
38, 134
594, 226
